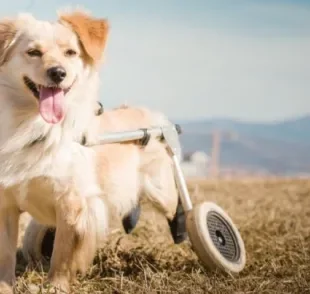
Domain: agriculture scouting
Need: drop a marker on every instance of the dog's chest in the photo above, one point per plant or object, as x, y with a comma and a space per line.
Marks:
32, 162
57, 157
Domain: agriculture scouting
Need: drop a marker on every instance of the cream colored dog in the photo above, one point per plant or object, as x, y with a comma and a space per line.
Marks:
48, 88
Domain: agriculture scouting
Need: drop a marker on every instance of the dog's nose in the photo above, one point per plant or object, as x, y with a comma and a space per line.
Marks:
57, 74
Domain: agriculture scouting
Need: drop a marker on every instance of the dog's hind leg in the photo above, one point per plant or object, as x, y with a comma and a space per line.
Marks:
161, 189
9, 217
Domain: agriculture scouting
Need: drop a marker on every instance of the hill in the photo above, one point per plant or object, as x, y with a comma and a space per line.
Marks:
278, 148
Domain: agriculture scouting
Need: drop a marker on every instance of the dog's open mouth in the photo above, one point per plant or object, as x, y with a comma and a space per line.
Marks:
51, 100
35, 88
32, 87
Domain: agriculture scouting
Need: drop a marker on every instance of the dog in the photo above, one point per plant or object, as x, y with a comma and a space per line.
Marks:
49, 81
39, 239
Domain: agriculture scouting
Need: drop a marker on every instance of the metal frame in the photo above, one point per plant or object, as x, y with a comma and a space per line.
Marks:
170, 134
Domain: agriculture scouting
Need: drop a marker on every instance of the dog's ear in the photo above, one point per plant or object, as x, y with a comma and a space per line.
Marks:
92, 32
8, 32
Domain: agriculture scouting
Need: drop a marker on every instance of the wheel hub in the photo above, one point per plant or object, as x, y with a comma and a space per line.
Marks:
223, 237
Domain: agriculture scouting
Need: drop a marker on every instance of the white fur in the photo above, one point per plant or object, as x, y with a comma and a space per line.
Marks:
20, 124
56, 180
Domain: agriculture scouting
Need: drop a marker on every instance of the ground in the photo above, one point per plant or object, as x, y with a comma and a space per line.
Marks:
273, 217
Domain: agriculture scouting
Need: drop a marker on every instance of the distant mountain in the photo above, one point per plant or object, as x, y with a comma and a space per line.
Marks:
278, 147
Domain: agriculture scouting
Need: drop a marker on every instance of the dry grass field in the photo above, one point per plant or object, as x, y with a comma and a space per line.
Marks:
273, 217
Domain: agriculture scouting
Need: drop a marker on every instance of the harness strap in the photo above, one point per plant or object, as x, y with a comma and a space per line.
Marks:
100, 110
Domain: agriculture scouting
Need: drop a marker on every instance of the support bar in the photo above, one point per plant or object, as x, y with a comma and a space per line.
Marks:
118, 137
181, 184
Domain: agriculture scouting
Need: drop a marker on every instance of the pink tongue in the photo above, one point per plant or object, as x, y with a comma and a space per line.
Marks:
51, 104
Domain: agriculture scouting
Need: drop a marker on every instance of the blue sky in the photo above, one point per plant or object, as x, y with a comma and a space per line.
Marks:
243, 59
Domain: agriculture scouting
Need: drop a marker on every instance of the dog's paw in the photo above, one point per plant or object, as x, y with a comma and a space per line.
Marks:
34, 289
130, 221
57, 286
178, 226
5, 288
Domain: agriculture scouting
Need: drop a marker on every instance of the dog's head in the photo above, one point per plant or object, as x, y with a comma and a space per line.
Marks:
46, 61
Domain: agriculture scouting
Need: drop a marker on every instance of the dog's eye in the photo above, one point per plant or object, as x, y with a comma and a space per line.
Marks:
34, 53
70, 52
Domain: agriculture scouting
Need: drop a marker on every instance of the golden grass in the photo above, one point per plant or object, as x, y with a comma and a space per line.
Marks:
273, 217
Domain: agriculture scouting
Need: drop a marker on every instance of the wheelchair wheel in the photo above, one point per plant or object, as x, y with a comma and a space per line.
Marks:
38, 242
215, 238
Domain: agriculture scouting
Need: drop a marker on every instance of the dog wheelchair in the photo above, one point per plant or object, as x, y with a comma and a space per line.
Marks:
212, 234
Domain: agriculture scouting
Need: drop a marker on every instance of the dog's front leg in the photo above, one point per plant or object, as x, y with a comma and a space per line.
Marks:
61, 268
75, 241
61, 262
9, 217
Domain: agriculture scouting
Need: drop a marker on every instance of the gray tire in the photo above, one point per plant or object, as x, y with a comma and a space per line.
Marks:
33, 242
